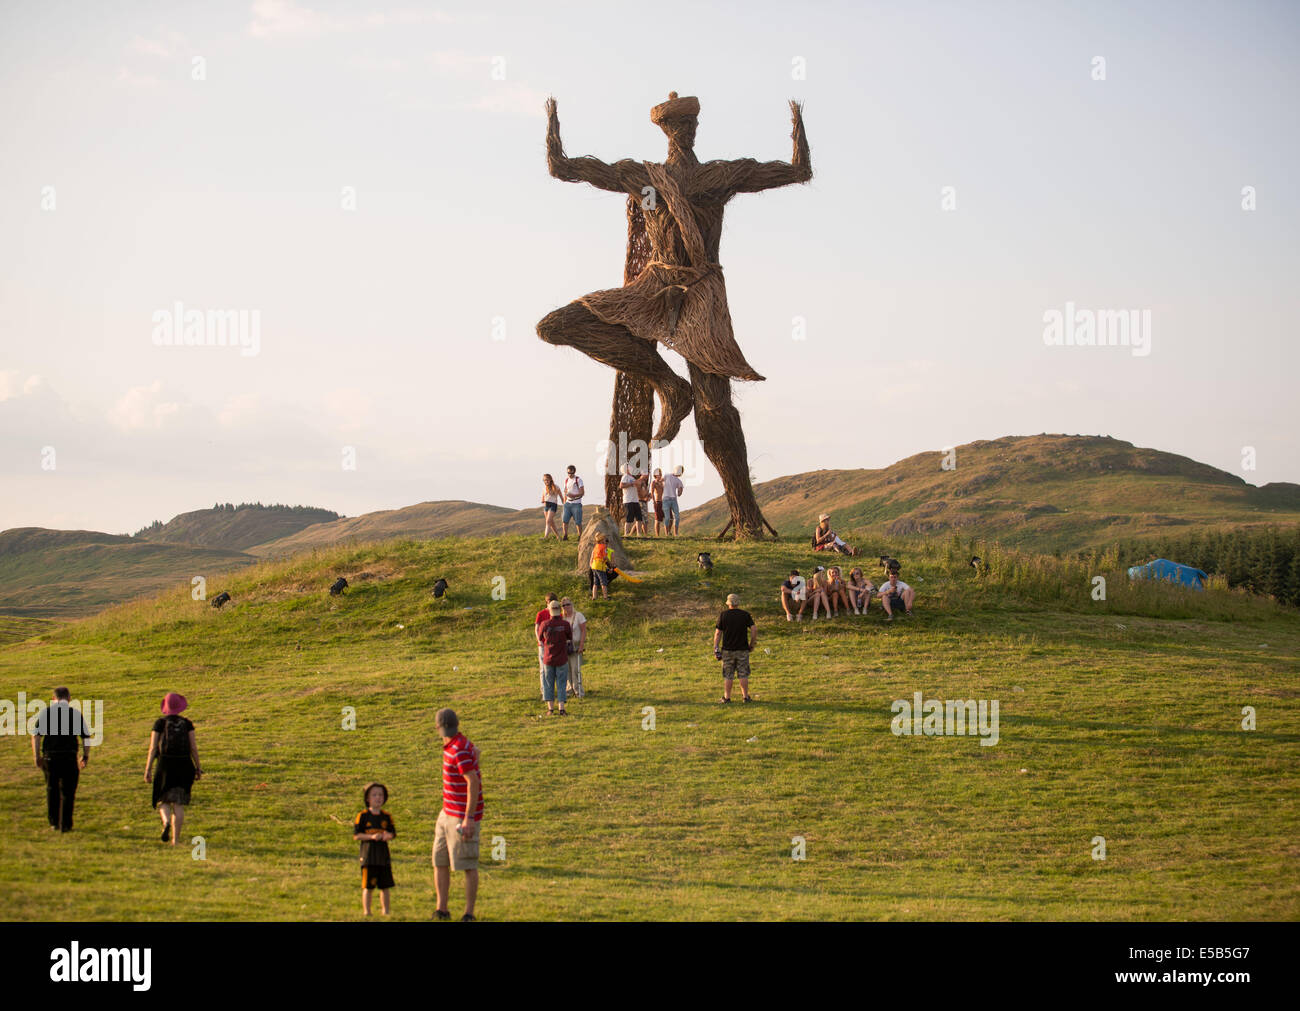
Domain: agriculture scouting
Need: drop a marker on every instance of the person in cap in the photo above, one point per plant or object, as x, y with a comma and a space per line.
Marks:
458, 831
794, 591
599, 566
826, 539
60, 729
373, 828
555, 635
734, 637
173, 745
543, 616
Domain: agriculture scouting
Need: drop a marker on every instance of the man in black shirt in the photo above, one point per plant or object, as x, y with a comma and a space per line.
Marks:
734, 637
54, 748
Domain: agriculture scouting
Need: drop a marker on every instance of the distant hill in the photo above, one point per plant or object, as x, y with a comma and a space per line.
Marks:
235, 527
1042, 492
424, 521
70, 573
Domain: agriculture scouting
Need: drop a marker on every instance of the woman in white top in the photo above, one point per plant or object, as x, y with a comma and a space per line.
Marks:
552, 496
578, 621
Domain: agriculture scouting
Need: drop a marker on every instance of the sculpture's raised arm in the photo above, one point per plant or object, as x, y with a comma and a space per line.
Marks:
745, 175
624, 176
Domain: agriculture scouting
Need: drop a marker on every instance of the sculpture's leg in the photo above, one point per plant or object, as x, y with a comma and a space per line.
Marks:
718, 423
616, 346
629, 423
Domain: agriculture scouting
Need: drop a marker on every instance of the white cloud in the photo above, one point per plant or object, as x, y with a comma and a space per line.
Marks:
133, 80
238, 410
166, 45
143, 408
510, 99
284, 18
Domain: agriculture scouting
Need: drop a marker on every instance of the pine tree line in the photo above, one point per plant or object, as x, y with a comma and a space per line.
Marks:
1260, 559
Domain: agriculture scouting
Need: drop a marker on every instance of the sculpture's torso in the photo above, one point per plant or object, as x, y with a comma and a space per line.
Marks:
707, 207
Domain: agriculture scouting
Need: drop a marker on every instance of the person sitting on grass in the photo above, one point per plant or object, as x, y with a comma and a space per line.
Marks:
794, 591
860, 589
838, 591
894, 593
826, 539
373, 827
818, 591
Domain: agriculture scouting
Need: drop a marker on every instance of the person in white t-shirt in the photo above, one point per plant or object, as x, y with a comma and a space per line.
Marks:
673, 487
632, 516
573, 492
578, 621
896, 593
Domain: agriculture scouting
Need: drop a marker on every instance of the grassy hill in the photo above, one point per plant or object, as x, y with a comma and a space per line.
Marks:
1044, 492
1119, 718
424, 521
235, 527
70, 573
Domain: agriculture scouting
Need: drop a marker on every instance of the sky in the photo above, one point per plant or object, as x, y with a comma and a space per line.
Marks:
367, 185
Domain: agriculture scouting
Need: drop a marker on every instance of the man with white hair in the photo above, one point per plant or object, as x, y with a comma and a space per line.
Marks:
673, 488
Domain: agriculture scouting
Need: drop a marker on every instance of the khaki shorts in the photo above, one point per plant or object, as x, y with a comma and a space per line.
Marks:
735, 663
449, 849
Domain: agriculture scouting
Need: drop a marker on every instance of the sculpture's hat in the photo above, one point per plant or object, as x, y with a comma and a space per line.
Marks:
675, 108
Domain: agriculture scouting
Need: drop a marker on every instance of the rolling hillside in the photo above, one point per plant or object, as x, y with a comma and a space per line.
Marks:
1046, 492
424, 521
1119, 718
71, 573
235, 528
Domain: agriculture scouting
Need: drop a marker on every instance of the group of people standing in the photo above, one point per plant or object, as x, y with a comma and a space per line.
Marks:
643, 489
561, 633
568, 498
171, 767
642, 492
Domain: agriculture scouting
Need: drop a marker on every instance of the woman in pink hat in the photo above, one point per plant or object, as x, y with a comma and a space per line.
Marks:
172, 744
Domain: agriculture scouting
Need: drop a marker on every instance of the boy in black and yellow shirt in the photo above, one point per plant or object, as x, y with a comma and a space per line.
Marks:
373, 827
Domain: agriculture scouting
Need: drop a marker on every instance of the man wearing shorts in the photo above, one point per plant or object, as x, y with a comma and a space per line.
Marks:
734, 637
456, 835
573, 492
794, 590
895, 593
632, 516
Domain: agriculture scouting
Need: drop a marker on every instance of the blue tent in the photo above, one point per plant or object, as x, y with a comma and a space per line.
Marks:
1163, 568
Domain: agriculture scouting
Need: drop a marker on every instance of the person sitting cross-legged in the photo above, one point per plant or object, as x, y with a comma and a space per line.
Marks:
894, 593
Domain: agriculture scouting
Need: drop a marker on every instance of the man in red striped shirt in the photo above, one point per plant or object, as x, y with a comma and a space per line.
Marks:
456, 837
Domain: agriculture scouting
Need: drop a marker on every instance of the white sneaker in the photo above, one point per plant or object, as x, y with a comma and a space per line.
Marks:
788, 618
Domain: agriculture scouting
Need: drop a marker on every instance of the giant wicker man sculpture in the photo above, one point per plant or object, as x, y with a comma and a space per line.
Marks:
673, 294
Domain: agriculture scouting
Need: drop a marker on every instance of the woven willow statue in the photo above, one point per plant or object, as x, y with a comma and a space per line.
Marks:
673, 294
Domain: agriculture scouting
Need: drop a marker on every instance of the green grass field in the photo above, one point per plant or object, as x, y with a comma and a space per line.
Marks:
1119, 719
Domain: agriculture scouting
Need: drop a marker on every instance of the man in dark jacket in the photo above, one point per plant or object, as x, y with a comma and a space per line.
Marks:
59, 730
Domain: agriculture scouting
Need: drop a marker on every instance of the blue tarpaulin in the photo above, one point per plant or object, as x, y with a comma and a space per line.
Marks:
1163, 568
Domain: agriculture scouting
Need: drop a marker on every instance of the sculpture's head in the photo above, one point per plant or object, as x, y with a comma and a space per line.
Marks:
678, 118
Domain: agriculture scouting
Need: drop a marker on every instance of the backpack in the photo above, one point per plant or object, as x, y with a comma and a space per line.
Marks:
175, 741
